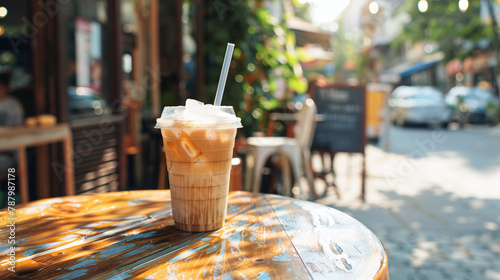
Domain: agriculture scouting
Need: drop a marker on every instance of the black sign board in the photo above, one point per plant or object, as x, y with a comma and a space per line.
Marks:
342, 126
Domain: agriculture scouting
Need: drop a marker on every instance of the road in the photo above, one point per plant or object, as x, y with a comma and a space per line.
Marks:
465, 162
433, 198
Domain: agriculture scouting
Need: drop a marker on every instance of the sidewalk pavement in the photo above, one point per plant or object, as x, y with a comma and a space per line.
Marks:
486, 130
429, 231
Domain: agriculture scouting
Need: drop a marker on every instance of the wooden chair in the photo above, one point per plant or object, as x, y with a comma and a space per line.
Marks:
295, 153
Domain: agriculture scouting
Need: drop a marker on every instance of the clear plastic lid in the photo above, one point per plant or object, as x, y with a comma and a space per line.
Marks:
198, 117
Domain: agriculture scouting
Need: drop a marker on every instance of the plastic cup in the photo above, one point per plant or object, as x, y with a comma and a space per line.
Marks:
198, 155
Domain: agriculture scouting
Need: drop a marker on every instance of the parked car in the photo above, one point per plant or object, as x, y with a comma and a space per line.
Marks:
472, 104
419, 105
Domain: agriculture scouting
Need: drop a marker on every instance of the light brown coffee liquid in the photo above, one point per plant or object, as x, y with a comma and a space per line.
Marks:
199, 165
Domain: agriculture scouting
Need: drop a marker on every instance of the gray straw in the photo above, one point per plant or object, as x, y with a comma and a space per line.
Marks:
223, 74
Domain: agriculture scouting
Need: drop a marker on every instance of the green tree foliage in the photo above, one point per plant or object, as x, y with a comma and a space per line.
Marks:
457, 33
264, 55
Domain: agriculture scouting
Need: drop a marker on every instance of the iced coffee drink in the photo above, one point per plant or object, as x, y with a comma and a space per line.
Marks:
198, 141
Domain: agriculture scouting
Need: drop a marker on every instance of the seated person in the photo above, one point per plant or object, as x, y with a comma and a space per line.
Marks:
11, 111
11, 114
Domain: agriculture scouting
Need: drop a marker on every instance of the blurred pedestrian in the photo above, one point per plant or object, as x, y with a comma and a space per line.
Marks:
11, 111
11, 114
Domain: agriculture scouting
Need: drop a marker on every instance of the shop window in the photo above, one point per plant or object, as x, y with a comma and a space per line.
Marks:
88, 82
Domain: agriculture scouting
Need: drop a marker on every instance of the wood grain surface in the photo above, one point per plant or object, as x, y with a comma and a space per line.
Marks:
130, 235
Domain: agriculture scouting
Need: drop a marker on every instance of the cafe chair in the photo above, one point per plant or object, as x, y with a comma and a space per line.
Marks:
295, 153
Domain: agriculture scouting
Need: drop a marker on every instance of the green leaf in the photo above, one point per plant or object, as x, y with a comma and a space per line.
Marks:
298, 84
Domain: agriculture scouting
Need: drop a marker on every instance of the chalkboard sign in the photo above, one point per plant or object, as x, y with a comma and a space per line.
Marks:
342, 126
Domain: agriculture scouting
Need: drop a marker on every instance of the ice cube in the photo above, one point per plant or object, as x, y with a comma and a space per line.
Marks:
210, 110
206, 113
193, 103
190, 148
192, 113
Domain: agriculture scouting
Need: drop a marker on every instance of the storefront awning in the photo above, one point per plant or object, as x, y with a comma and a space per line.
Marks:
418, 67
394, 74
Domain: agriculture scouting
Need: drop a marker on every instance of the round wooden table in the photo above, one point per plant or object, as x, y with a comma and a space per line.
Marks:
130, 235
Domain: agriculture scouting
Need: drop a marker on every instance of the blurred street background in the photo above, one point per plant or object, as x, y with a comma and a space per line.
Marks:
428, 123
437, 214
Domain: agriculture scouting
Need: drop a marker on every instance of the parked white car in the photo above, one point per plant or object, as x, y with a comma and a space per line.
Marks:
419, 105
